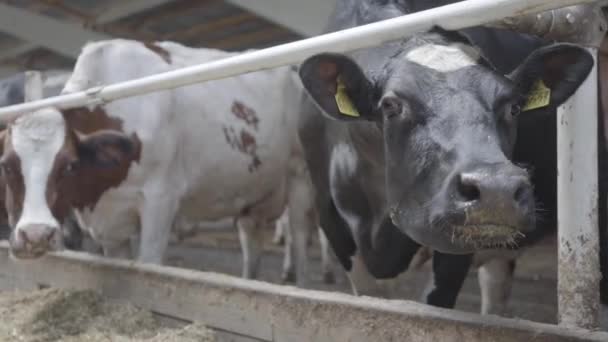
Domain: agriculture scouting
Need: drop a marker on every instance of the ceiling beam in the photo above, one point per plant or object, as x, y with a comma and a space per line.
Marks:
128, 8
307, 18
64, 38
196, 31
249, 38
16, 50
80, 35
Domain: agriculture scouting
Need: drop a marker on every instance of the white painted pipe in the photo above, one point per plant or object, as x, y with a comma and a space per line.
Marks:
455, 16
577, 191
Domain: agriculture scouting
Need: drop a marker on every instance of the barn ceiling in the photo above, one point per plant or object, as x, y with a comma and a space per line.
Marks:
48, 34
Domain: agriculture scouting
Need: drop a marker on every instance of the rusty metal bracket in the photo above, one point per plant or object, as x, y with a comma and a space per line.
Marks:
581, 24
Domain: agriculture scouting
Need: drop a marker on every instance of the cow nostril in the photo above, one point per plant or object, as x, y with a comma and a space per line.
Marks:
37, 234
23, 236
50, 235
468, 189
521, 193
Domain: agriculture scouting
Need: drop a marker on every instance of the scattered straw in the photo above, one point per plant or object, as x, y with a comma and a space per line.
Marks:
70, 316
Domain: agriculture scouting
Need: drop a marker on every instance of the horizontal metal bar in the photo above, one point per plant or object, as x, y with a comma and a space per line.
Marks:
582, 24
455, 16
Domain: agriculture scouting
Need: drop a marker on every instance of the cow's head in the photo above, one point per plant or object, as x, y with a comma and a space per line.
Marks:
448, 123
51, 167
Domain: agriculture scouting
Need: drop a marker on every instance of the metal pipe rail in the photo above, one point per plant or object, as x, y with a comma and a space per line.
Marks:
455, 16
572, 24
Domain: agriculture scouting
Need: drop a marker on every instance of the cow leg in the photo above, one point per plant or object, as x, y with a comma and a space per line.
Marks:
282, 236
156, 222
279, 229
278, 238
302, 215
90, 246
251, 237
495, 279
300, 223
288, 274
363, 283
449, 273
326, 262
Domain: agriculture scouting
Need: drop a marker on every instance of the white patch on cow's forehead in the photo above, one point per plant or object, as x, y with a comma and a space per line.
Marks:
42, 125
444, 58
36, 139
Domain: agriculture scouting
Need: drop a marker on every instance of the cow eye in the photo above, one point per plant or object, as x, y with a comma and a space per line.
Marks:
391, 106
69, 168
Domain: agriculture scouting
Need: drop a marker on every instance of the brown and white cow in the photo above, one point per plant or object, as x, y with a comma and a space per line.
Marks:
13, 91
226, 148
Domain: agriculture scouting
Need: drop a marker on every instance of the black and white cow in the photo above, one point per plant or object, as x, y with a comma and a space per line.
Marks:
414, 141
536, 148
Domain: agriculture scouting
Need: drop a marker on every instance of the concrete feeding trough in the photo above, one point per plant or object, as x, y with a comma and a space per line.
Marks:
245, 310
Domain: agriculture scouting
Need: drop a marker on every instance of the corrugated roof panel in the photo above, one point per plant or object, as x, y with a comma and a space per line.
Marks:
205, 23
92, 7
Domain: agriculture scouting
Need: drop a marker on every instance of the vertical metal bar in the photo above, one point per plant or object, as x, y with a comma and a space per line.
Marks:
33, 87
577, 190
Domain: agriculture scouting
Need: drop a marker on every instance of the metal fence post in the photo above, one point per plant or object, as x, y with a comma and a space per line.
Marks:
33, 87
577, 189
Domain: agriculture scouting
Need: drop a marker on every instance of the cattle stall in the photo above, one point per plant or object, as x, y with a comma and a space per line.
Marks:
251, 310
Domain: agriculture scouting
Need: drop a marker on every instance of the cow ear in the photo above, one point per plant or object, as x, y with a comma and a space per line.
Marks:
551, 74
338, 86
108, 149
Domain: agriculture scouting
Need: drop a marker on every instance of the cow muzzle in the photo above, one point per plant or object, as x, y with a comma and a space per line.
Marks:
495, 203
477, 208
34, 240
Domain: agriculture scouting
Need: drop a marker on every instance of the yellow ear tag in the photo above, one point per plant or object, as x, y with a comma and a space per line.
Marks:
540, 96
345, 105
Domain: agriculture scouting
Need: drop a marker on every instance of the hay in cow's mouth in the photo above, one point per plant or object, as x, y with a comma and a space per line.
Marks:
485, 236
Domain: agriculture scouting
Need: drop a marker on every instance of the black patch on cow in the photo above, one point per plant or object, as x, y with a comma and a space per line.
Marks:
449, 273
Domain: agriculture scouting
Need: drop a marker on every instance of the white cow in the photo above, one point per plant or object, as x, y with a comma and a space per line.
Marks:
226, 148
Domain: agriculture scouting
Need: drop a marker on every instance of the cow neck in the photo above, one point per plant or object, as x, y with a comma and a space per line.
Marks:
368, 142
